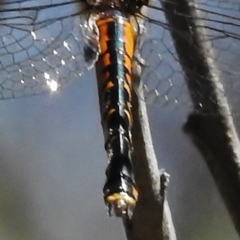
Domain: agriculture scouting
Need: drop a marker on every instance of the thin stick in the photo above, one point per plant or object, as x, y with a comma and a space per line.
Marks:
152, 218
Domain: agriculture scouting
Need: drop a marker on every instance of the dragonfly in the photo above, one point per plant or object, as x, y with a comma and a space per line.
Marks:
46, 44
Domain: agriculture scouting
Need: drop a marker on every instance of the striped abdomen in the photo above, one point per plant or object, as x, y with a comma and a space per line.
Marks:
114, 67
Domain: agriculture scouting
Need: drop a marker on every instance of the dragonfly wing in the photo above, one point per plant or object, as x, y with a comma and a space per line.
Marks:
163, 79
41, 46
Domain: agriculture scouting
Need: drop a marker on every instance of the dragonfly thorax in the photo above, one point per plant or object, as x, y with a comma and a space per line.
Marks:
125, 6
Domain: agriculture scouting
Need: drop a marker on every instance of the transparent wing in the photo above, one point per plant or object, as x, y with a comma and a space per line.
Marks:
41, 46
163, 79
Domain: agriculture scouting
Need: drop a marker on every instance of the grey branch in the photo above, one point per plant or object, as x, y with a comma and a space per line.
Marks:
152, 218
210, 125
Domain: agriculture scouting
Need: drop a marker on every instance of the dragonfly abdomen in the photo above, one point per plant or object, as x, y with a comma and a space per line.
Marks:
114, 67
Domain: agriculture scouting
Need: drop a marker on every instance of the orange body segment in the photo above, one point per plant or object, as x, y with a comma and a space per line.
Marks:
127, 38
114, 71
